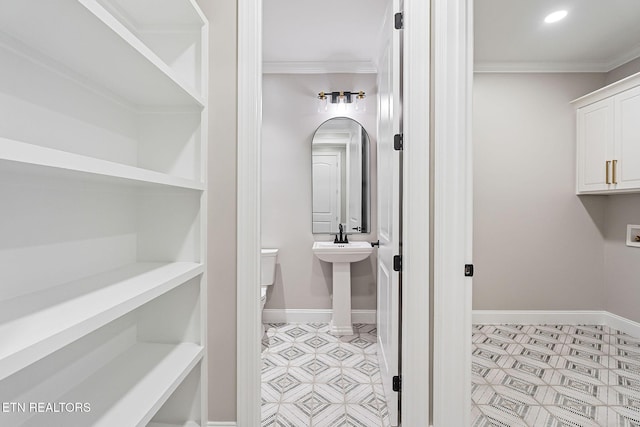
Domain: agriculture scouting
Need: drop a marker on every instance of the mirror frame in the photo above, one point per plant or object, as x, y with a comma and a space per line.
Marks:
366, 179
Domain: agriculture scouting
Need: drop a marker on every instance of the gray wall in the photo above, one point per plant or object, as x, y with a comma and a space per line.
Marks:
290, 118
536, 244
221, 268
622, 263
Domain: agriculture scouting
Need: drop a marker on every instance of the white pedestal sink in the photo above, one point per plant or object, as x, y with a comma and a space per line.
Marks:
341, 255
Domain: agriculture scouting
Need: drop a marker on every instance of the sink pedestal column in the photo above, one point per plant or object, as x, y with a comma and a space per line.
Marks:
341, 321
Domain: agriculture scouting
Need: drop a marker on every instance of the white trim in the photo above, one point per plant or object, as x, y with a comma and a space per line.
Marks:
249, 328
319, 67
452, 211
539, 317
541, 67
557, 67
222, 424
415, 235
622, 324
608, 91
275, 315
557, 317
624, 58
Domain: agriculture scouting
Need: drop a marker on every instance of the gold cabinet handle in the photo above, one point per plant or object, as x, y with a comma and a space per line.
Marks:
608, 164
615, 165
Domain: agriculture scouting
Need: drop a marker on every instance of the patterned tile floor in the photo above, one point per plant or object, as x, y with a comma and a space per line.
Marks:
312, 378
556, 375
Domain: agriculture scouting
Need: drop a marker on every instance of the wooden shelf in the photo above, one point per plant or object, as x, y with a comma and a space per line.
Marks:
35, 325
18, 157
84, 37
130, 389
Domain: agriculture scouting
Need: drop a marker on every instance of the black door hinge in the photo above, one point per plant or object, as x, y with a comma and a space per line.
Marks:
398, 139
397, 262
468, 270
397, 383
398, 21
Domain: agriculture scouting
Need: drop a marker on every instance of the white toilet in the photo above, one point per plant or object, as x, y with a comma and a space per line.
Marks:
268, 260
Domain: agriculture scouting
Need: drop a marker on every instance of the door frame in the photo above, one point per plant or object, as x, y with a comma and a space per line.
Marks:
452, 72
450, 98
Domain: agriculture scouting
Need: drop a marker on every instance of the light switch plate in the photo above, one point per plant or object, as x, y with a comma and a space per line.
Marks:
633, 236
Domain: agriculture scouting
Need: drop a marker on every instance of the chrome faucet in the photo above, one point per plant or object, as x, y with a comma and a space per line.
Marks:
341, 239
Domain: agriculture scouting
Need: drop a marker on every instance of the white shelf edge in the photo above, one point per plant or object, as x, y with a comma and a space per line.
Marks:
53, 327
190, 97
132, 40
137, 383
35, 155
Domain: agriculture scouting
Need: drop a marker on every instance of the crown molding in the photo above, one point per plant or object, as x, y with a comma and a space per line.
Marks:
540, 67
628, 56
318, 67
557, 67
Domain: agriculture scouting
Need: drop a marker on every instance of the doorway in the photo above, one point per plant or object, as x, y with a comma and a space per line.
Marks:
306, 358
415, 354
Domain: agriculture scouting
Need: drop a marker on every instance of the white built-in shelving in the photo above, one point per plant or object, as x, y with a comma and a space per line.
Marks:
22, 157
103, 130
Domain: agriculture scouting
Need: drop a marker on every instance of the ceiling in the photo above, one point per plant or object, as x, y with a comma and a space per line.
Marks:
596, 35
510, 35
329, 32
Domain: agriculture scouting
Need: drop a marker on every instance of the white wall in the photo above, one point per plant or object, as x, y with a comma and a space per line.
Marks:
536, 244
290, 118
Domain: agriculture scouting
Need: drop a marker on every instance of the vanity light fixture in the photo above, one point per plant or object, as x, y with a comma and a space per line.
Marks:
341, 99
556, 16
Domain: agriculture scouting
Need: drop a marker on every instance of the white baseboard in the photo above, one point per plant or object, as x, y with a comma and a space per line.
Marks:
221, 424
539, 317
563, 317
271, 315
625, 325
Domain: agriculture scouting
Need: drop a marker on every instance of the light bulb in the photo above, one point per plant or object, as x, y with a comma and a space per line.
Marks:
555, 16
322, 102
361, 102
342, 105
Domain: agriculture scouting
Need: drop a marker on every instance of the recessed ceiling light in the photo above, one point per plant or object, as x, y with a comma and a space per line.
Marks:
555, 16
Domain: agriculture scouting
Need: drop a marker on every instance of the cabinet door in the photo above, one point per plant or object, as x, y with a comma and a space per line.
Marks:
627, 139
595, 145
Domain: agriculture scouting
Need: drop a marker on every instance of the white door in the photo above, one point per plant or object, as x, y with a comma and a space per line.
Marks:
595, 145
354, 178
627, 139
389, 232
326, 192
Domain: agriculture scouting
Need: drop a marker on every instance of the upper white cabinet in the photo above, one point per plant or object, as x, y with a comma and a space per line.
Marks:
608, 139
627, 138
103, 131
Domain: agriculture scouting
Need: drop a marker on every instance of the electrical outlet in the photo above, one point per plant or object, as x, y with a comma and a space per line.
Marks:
633, 236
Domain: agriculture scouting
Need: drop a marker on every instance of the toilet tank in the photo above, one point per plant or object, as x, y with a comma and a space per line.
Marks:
268, 260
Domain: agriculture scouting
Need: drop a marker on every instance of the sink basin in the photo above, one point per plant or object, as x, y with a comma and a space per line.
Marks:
341, 255
342, 252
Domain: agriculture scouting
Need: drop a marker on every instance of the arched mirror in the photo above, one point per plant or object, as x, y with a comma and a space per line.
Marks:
340, 177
